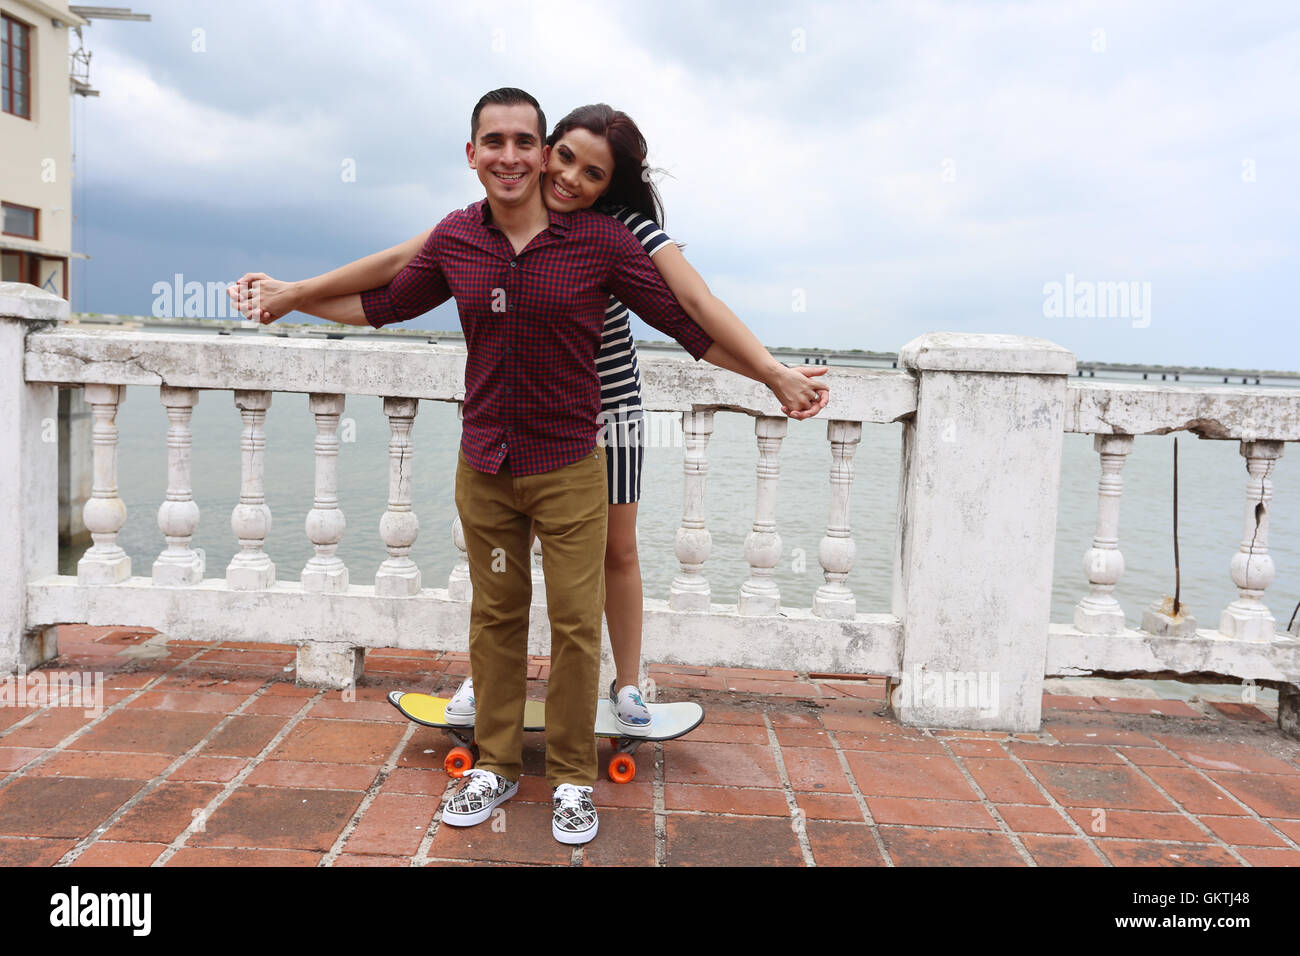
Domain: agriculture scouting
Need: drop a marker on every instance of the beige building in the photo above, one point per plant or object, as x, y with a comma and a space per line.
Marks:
35, 143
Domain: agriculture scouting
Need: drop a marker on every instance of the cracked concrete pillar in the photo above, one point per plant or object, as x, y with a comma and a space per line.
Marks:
977, 528
29, 475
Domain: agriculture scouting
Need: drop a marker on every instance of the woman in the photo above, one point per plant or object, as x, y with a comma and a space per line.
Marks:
598, 158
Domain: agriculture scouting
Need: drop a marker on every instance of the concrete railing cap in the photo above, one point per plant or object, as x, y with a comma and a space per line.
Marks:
18, 300
986, 352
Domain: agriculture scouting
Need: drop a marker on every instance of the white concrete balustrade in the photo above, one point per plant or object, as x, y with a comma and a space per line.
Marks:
981, 420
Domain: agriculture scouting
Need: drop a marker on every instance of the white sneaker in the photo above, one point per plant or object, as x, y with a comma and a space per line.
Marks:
460, 709
630, 712
573, 816
479, 793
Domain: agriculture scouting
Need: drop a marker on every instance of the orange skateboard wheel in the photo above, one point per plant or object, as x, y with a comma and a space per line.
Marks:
622, 768
457, 761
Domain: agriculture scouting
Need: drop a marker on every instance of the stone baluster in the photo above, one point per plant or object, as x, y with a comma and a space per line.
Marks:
325, 571
1098, 612
760, 593
1252, 567
539, 576
179, 564
105, 513
835, 599
690, 588
251, 568
459, 587
399, 576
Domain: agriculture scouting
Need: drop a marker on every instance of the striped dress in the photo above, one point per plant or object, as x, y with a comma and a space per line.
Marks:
621, 416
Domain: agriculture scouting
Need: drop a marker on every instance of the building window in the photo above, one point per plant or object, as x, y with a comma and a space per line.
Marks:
16, 67
20, 220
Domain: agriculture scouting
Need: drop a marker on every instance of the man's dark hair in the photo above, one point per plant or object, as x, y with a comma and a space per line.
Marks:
507, 96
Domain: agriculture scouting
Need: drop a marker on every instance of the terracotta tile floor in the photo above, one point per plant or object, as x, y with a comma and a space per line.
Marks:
209, 755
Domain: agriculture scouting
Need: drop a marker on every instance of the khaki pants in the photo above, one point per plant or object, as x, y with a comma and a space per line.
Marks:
570, 508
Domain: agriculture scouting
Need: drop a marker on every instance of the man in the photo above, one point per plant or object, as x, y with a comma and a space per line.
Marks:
531, 287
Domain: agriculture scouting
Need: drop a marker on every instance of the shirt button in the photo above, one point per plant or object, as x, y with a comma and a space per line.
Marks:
503, 445
513, 264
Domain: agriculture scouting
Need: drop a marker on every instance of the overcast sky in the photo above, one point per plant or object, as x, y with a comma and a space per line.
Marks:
894, 168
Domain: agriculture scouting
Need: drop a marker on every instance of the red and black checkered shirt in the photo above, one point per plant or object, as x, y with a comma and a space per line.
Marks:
532, 324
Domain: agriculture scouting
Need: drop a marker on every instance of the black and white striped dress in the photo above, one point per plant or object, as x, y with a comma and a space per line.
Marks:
621, 415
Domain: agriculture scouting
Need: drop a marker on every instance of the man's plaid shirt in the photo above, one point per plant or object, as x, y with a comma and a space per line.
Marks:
532, 324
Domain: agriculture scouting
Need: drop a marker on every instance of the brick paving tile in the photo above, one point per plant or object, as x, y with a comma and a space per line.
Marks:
1003, 781
1269, 795
289, 689
753, 673
1271, 857
128, 680
770, 803
203, 856
977, 748
1060, 851
1109, 788
931, 813
339, 741
1242, 831
637, 795
107, 853
60, 806
224, 655
888, 743
1235, 758
163, 814
829, 806
731, 841
1153, 757
1235, 711
1034, 819
814, 768
863, 691
1193, 791
364, 859
1146, 705
79, 763
1097, 734
279, 818
777, 688
657, 669
216, 769
1290, 827
859, 723
189, 679
843, 844
1064, 753
187, 701
721, 733
10, 716
244, 736
15, 852
520, 833
949, 848
429, 783
1126, 853
624, 838
909, 775
802, 737
312, 775
1065, 702
357, 710
394, 824
11, 758
144, 731
735, 765
1139, 825
809, 719
48, 728
691, 682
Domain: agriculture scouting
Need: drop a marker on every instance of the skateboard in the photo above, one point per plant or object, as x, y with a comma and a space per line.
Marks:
667, 722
